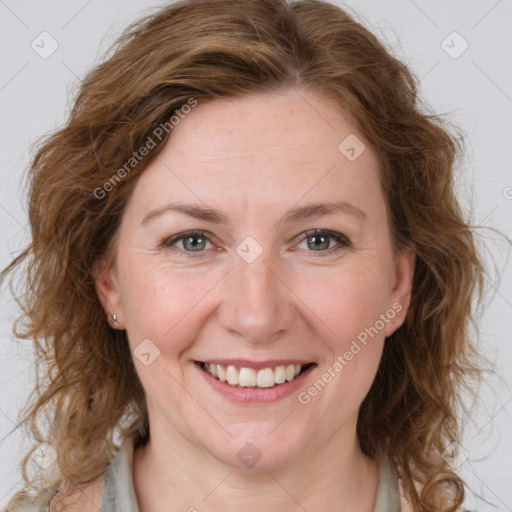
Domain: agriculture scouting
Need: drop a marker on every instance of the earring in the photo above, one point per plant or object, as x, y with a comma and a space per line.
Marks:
114, 318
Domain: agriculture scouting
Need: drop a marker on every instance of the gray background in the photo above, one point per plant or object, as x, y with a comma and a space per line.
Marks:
474, 89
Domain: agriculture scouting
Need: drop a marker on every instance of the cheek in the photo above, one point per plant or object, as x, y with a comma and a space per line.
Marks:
349, 323
346, 301
161, 305
347, 307
161, 302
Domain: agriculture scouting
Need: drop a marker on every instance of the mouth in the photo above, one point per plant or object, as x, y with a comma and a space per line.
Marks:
256, 375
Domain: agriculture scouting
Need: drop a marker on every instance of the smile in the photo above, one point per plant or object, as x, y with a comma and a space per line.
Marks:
245, 377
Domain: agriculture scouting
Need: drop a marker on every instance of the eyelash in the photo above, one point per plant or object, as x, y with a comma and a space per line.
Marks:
343, 241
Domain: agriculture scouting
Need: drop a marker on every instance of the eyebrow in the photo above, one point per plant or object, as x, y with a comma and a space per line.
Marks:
308, 211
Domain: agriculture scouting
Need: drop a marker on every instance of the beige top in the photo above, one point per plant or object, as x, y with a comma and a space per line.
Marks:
115, 491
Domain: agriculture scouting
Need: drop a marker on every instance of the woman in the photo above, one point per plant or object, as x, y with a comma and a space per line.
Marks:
249, 271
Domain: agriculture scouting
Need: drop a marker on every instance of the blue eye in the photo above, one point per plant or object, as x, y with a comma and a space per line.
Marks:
196, 241
192, 241
321, 240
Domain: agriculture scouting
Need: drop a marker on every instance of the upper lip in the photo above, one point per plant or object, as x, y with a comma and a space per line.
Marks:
256, 365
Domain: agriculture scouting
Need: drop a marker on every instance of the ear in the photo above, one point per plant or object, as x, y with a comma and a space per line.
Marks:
400, 288
107, 288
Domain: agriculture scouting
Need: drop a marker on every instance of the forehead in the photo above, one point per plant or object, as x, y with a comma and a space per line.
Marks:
296, 122
262, 150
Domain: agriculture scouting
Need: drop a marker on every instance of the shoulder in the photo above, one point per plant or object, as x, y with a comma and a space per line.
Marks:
87, 499
405, 504
23, 502
90, 498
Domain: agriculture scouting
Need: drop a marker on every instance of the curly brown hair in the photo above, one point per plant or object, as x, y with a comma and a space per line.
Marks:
87, 389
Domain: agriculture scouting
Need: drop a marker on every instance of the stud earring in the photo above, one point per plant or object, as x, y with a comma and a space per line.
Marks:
114, 318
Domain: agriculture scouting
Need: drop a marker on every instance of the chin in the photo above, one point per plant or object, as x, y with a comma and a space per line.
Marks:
255, 448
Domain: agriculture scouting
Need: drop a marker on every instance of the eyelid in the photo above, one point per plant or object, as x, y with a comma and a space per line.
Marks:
343, 242
339, 237
171, 240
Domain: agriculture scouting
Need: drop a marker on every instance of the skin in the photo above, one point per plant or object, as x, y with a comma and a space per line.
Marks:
255, 158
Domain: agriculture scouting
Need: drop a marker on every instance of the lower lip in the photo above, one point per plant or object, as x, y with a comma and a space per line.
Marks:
255, 395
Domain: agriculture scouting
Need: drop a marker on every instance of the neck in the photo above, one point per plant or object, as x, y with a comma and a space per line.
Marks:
174, 474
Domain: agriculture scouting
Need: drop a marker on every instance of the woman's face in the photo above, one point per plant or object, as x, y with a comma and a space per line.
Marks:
254, 289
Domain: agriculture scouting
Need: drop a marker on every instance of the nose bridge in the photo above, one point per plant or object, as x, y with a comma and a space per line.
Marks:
257, 304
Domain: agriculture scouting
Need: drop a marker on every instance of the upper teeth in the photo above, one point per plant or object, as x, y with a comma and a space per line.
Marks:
248, 377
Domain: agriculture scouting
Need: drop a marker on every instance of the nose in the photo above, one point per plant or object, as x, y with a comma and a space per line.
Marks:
258, 303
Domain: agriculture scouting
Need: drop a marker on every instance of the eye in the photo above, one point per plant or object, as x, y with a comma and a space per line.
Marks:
191, 241
196, 242
321, 241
